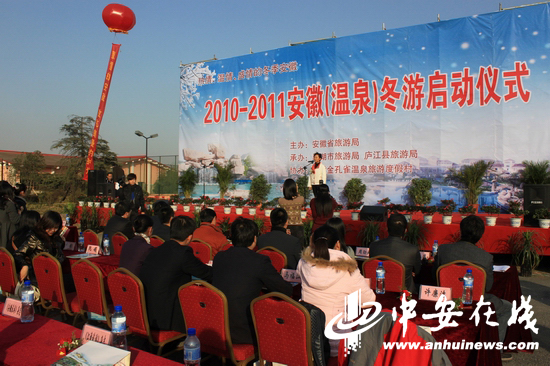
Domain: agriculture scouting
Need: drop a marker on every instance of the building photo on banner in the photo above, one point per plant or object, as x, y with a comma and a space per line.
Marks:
385, 107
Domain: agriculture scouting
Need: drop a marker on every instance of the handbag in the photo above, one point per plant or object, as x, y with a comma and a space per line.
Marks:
19, 288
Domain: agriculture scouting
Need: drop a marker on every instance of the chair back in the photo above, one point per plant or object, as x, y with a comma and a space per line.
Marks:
127, 290
395, 272
90, 238
117, 241
204, 308
451, 274
156, 241
202, 250
90, 288
283, 330
278, 258
8, 276
225, 247
49, 277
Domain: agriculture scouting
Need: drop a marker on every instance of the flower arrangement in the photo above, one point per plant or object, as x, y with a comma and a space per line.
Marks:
186, 201
224, 202
239, 201
467, 210
150, 200
339, 208
198, 201
384, 201
252, 203
407, 293
428, 210
447, 208
354, 205
542, 213
515, 209
68, 345
269, 204
209, 201
175, 199
492, 210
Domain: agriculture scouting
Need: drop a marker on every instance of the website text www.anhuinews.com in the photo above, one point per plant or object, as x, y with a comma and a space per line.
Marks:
463, 345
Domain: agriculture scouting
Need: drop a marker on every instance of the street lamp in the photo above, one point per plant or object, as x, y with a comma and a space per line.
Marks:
140, 134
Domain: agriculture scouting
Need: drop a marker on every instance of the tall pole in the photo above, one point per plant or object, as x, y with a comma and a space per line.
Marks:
147, 163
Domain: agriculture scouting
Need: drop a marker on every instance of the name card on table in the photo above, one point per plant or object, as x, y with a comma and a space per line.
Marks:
433, 293
291, 275
12, 308
362, 252
92, 249
91, 333
69, 245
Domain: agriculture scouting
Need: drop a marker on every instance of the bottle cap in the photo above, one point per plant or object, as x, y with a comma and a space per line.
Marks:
118, 308
191, 331
27, 282
468, 270
380, 263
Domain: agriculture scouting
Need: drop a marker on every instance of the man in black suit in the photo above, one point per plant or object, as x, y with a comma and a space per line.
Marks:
119, 223
132, 195
165, 269
400, 250
163, 230
240, 273
280, 239
471, 230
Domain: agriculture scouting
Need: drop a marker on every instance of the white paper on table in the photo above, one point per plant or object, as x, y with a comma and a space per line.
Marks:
500, 268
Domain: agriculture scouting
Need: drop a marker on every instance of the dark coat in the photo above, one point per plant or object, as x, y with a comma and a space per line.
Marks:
118, 224
240, 274
401, 251
9, 220
165, 269
133, 254
162, 231
288, 244
135, 203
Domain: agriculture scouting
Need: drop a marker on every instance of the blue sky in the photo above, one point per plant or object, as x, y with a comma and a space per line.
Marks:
55, 54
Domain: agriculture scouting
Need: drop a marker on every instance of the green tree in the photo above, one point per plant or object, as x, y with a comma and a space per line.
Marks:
224, 177
187, 181
167, 182
29, 166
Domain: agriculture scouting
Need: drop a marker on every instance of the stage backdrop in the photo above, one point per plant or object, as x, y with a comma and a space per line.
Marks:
385, 107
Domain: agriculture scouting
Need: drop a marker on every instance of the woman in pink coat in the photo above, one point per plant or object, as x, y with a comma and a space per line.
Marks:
329, 275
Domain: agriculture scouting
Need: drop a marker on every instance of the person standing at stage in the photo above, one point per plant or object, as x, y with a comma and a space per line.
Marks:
318, 172
132, 195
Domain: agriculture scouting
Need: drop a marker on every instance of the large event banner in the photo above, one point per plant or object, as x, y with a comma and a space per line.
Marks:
385, 107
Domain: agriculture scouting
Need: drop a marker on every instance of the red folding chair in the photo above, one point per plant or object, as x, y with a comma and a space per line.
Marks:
156, 241
8, 275
395, 272
90, 287
127, 290
90, 238
278, 258
118, 241
283, 330
202, 250
204, 308
450, 275
49, 277
225, 247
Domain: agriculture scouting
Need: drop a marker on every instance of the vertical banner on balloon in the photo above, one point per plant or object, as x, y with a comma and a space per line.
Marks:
101, 109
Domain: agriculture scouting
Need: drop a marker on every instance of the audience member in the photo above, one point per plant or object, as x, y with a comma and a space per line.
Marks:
157, 220
28, 221
9, 214
322, 206
20, 194
292, 202
280, 239
338, 224
240, 273
471, 230
119, 223
400, 250
209, 232
167, 268
135, 250
132, 195
328, 275
163, 230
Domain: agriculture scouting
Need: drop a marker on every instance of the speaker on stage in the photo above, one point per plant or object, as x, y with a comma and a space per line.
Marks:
96, 177
535, 196
374, 213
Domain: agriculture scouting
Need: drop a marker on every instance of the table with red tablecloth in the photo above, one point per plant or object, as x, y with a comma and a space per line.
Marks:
36, 343
106, 263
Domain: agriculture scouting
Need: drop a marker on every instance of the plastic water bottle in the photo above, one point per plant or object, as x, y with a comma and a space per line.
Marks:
192, 349
380, 279
81, 242
27, 302
106, 245
67, 221
377, 238
435, 248
468, 290
118, 327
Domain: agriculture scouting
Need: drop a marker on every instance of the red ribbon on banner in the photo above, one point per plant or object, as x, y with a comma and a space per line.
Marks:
101, 109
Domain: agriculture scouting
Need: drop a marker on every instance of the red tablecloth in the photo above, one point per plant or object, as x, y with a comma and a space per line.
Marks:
106, 263
36, 343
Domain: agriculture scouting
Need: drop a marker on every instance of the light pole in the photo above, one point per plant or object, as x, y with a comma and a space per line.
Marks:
140, 134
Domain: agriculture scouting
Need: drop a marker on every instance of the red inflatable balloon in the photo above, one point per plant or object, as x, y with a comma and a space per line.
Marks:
119, 18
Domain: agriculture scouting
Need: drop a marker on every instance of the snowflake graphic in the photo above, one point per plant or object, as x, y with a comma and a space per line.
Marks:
189, 80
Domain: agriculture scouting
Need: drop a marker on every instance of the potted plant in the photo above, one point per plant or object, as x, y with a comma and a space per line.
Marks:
492, 211
198, 202
407, 211
337, 210
239, 202
268, 206
419, 191
354, 191
384, 201
210, 202
416, 234
259, 188
428, 212
536, 183
81, 200
543, 215
187, 181
527, 251
224, 177
369, 233
467, 210
186, 202
174, 200
446, 210
252, 204
471, 177
515, 209
226, 203
354, 206
98, 200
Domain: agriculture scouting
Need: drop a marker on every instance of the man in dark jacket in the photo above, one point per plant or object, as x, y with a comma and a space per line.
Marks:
165, 269
165, 217
240, 273
119, 223
280, 239
135, 250
132, 195
400, 250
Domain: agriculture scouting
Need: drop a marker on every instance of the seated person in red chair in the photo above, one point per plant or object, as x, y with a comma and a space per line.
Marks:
163, 230
240, 273
119, 223
135, 250
471, 230
209, 232
167, 268
400, 250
